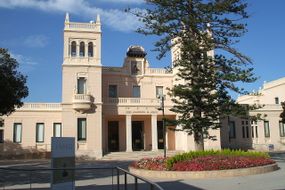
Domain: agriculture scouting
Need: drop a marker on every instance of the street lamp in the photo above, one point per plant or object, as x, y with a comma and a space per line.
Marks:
161, 97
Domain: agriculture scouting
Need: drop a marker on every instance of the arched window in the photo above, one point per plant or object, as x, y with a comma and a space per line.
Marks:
73, 49
90, 49
82, 49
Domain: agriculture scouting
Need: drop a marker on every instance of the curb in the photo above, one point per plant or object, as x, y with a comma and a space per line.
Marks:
204, 174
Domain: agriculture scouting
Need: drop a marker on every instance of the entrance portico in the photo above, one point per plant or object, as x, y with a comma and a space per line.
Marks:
137, 132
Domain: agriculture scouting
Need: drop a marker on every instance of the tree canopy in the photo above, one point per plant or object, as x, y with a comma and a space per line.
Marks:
12, 84
199, 27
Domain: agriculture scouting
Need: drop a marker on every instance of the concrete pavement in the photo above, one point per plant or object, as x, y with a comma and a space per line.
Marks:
103, 179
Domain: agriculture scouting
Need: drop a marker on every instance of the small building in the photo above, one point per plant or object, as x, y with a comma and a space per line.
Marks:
266, 133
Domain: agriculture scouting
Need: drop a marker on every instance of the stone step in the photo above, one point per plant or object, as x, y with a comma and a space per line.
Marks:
136, 155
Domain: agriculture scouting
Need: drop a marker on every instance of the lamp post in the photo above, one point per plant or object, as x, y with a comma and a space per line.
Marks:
161, 107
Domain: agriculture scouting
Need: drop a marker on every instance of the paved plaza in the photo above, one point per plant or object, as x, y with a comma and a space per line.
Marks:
102, 179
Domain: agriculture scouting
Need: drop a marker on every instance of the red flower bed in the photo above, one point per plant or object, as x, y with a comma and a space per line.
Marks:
203, 163
158, 163
220, 163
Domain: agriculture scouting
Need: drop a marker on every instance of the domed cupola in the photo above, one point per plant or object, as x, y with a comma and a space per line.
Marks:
136, 52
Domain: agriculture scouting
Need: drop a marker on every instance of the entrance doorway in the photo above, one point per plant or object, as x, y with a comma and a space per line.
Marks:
113, 136
137, 135
160, 135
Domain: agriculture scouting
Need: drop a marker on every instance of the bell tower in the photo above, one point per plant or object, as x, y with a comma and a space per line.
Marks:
82, 85
82, 42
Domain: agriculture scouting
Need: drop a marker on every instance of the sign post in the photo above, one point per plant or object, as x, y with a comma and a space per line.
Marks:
63, 156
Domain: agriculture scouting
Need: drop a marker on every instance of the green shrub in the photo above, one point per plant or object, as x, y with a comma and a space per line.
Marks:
225, 152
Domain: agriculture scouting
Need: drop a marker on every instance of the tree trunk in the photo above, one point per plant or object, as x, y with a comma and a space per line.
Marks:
199, 141
198, 133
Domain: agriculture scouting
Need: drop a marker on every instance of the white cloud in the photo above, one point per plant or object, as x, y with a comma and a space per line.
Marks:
124, 1
32, 41
23, 59
26, 63
36, 41
114, 18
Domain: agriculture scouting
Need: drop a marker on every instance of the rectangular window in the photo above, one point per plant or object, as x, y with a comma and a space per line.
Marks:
276, 100
40, 130
247, 131
136, 91
113, 91
1, 136
17, 134
266, 129
57, 130
81, 85
136, 67
256, 132
1, 123
243, 132
282, 129
252, 131
232, 132
81, 129
159, 91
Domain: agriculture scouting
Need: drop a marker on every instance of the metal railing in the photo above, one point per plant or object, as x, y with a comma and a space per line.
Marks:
38, 178
135, 101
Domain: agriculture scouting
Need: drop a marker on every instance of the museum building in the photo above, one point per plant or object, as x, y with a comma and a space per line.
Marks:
109, 109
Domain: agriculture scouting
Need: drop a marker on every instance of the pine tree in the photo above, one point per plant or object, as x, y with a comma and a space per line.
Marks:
201, 94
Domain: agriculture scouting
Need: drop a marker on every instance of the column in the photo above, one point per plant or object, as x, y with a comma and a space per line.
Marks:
77, 48
129, 133
154, 132
166, 138
86, 48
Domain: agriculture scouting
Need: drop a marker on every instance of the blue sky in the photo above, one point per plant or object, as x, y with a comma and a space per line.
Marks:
32, 30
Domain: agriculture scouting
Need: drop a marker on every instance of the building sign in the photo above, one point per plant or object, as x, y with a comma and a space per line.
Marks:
63, 156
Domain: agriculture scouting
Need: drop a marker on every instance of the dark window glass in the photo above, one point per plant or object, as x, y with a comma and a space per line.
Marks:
113, 91
256, 131
73, 49
276, 100
282, 129
159, 91
57, 130
81, 129
266, 129
136, 91
40, 128
17, 133
81, 85
232, 132
90, 49
82, 49
136, 67
1, 136
247, 132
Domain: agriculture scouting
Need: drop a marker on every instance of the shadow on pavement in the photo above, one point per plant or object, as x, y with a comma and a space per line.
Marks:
9, 178
166, 185
278, 156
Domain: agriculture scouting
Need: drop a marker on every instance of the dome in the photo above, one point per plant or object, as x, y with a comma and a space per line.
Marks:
136, 51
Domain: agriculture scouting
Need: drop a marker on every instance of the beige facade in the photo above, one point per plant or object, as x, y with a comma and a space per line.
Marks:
105, 108
267, 133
